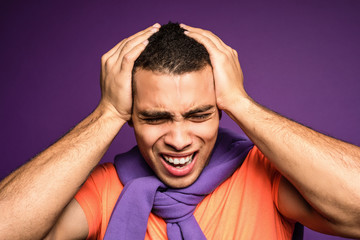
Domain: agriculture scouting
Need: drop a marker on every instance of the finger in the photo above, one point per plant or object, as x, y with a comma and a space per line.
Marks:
156, 25
131, 43
207, 33
105, 58
152, 29
121, 43
129, 58
210, 46
222, 47
114, 61
113, 50
217, 41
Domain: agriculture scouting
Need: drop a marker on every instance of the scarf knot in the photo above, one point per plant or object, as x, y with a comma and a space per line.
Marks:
166, 202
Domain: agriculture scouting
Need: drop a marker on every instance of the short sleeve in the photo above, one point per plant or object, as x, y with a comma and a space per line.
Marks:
275, 187
273, 174
97, 194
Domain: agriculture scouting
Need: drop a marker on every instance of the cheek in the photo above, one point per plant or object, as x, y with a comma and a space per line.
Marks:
207, 131
147, 135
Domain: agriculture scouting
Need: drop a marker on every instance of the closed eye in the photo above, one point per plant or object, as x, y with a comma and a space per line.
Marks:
154, 117
200, 117
155, 120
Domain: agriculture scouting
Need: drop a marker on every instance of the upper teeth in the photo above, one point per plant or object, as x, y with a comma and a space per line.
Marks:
176, 161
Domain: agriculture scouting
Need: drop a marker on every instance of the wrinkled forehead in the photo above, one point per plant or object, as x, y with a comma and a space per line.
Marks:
155, 89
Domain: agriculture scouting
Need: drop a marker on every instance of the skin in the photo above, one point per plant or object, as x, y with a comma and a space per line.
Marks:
309, 161
35, 202
175, 115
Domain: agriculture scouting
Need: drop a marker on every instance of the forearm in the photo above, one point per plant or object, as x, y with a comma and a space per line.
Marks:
33, 196
325, 171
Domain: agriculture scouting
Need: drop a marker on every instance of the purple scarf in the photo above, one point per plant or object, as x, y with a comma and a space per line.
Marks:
143, 192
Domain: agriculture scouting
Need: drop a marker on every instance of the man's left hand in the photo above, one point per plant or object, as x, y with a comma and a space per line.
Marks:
228, 76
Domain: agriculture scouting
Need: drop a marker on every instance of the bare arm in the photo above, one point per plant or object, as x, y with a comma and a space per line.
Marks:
36, 193
33, 197
71, 225
324, 170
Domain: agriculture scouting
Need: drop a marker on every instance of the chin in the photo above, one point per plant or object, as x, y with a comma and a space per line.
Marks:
179, 182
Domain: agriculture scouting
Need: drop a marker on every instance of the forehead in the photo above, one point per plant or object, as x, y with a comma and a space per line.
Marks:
173, 92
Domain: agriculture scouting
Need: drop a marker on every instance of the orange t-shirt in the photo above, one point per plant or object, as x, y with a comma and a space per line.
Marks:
243, 207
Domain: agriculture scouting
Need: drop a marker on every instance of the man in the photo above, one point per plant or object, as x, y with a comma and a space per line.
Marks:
175, 113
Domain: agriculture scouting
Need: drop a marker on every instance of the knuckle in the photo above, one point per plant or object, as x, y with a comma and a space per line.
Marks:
103, 58
109, 62
223, 57
128, 44
127, 58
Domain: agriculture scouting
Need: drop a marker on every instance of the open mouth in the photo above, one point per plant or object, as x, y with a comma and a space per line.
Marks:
178, 162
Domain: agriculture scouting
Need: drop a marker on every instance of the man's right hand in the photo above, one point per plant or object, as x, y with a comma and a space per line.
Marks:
116, 70
34, 199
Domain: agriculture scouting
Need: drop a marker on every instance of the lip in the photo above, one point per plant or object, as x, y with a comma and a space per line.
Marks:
178, 155
179, 172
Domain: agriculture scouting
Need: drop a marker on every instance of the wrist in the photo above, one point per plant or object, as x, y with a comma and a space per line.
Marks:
239, 104
109, 113
239, 110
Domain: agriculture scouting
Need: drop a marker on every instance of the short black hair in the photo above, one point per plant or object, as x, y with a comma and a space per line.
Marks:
170, 51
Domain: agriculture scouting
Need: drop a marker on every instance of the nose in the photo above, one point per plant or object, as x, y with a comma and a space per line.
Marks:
178, 137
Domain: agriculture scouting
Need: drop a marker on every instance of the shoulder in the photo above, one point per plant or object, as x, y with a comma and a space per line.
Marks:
103, 180
260, 163
104, 172
258, 171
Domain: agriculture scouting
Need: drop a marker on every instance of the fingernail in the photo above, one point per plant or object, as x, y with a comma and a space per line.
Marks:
154, 29
186, 32
156, 25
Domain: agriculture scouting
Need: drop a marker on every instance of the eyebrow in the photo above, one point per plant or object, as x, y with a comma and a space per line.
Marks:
165, 114
155, 114
198, 110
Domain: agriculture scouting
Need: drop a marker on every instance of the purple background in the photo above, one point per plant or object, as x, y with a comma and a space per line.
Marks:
300, 58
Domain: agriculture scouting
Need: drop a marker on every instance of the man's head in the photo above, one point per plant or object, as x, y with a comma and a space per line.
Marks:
170, 51
175, 117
